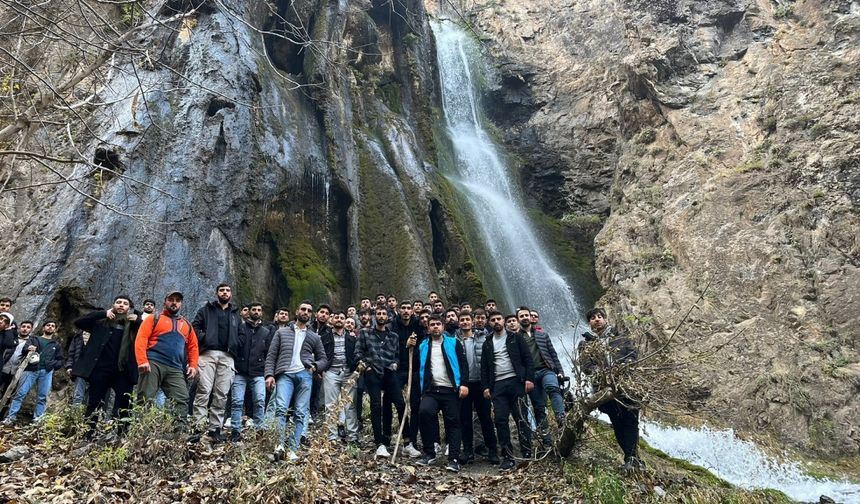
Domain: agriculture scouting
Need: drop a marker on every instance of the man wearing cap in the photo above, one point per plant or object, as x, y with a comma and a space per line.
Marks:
217, 327
39, 372
164, 346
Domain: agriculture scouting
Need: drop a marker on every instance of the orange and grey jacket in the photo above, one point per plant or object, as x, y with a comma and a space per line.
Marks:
168, 343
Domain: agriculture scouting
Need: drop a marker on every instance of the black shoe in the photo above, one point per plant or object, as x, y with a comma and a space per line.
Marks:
507, 464
632, 464
527, 454
482, 451
305, 442
453, 466
235, 436
216, 436
467, 458
426, 459
195, 437
493, 458
341, 431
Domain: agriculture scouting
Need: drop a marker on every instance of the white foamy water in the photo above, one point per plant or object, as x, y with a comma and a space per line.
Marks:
744, 464
526, 275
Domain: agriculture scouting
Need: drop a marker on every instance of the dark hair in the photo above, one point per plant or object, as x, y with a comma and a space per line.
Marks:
391, 296
425, 311
595, 311
350, 306
255, 304
222, 284
491, 300
493, 313
449, 310
478, 311
147, 300
464, 313
327, 307
418, 301
380, 294
523, 308
244, 306
283, 308
338, 311
381, 308
365, 297
25, 322
8, 300
364, 311
439, 301
49, 321
436, 317
405, 303
509, 317
307, 302
432, 292
123, 296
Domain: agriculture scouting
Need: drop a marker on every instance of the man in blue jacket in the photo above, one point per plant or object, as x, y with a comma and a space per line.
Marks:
443, 372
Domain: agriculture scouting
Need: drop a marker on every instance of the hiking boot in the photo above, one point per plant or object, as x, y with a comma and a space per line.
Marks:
235, 437
453, 466
507, 464
411, 451
382, 452
216, 436
426, 459
493, 457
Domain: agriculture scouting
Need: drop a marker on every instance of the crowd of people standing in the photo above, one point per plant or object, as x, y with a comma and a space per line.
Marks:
476, 366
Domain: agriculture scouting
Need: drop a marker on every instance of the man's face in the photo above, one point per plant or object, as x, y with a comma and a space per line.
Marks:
434, 327
490, 306
451, 317
525, 319
392, 303
283, 316
4, 323
466, 323
433, 297
597, 322
24, 330
381, 317
148, 307
173, 304
424, 319
49, 329
121, 306
338, 320
497, 322
323, 315
303, 313
244, 312
255, 313
349, 324
534, 317
417, 306
438, 307
365, 304
365, 318
405, 311
5, 306
380, 300
350, 312
480, 321
225, 293
465, 307
512, 325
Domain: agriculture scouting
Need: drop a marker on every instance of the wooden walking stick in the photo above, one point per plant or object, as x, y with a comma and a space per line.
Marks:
13, 385
408, 413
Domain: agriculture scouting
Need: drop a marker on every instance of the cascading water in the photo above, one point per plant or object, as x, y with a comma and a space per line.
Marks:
524, 272
526, 276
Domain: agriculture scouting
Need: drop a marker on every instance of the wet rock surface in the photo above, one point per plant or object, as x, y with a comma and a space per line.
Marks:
719, 141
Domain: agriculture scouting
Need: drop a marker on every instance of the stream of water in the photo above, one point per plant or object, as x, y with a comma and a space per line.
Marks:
526, 275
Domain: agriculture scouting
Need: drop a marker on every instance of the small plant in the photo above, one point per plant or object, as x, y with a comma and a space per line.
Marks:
109, 458
755, 164
604, 487
646, 136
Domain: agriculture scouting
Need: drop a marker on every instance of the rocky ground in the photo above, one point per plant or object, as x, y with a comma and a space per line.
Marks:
51, 463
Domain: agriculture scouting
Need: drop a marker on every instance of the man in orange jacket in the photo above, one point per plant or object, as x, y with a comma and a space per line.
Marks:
165, 345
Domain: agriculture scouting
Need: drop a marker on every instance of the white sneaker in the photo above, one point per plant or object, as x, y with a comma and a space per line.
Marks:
382, 452
291, 456
411, 451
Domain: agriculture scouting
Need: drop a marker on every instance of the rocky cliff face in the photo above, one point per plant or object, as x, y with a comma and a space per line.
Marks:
715, 143
287, 147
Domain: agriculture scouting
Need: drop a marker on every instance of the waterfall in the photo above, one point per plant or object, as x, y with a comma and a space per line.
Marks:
524, 271
525, 275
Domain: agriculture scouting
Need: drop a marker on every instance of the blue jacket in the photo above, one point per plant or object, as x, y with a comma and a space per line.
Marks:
455, 361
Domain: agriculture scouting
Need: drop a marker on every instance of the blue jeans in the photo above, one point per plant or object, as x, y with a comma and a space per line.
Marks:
286, 385
258, 390
42, 379
546, 384
80, 391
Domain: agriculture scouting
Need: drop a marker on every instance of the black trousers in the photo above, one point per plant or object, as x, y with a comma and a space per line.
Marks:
434, 400
625, 424
376, 385
475, 402
507, 395
410, 431
100, 382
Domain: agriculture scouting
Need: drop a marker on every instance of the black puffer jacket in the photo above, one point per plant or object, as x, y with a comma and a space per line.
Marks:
520, 356
101, 328
254, 341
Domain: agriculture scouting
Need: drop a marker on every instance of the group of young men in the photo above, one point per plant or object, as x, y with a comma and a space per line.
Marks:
474, 366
